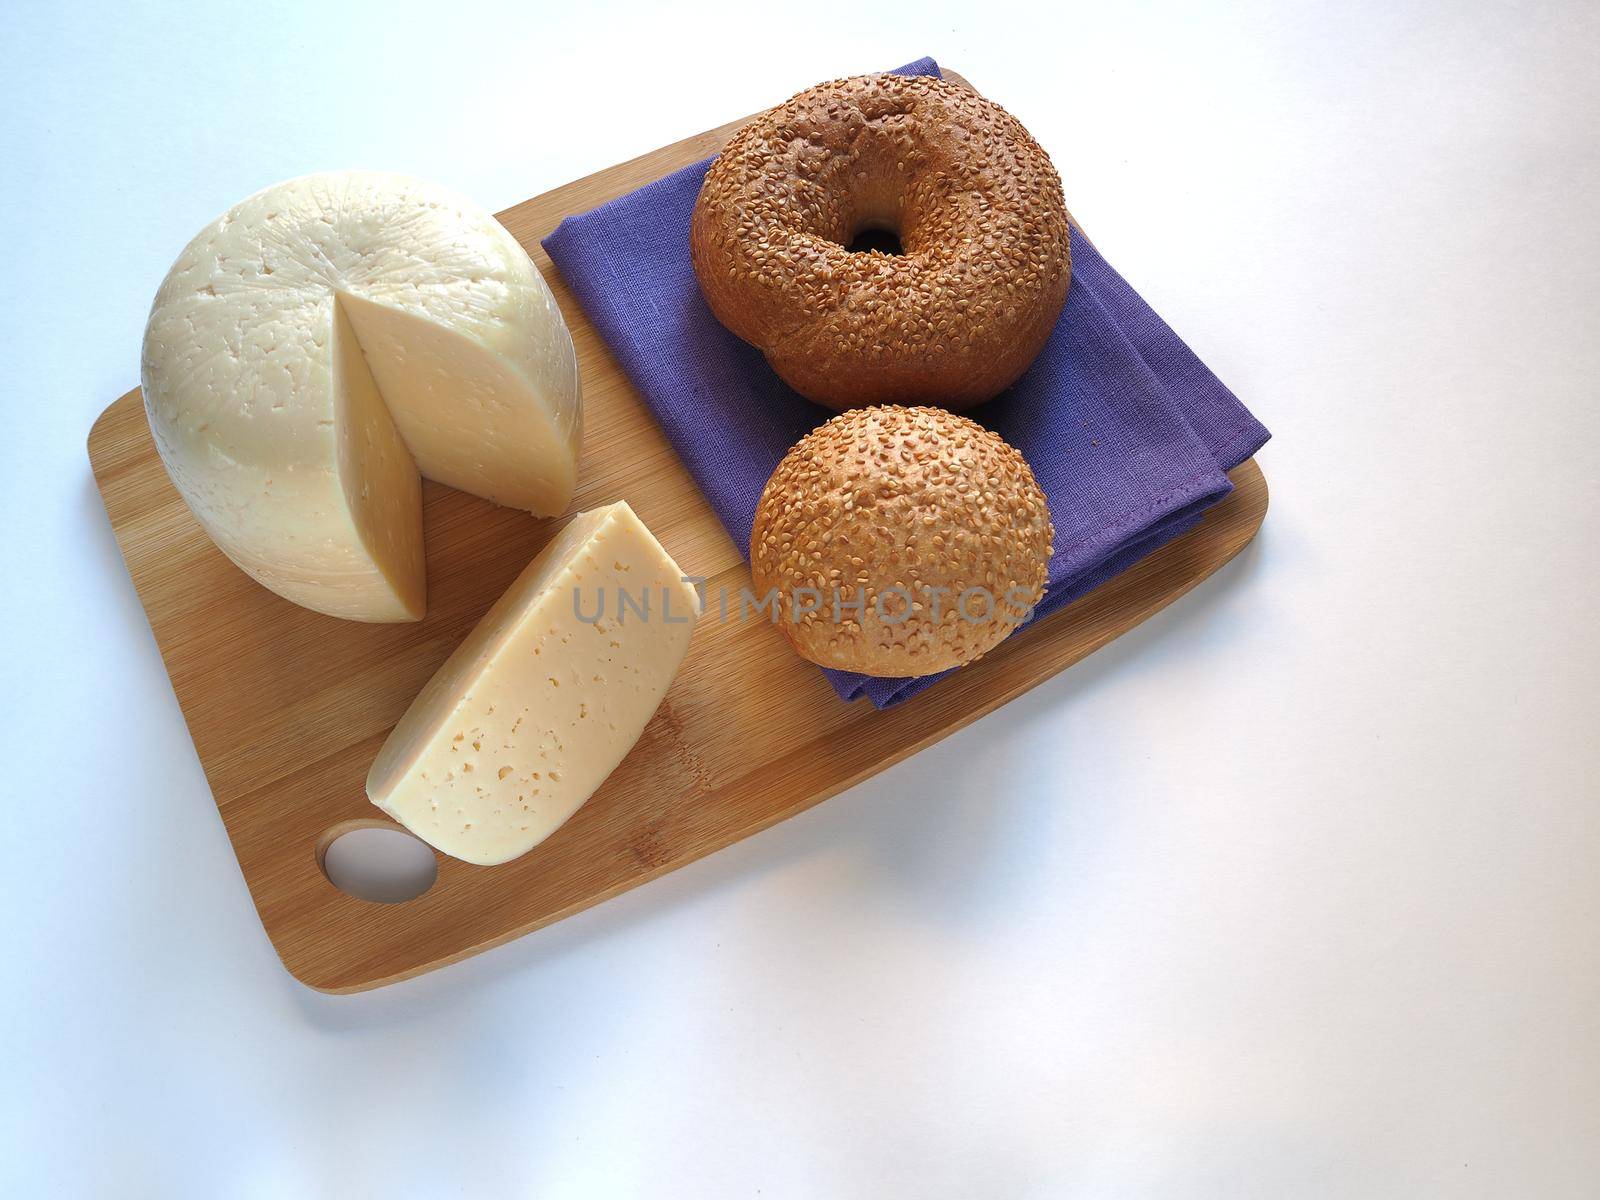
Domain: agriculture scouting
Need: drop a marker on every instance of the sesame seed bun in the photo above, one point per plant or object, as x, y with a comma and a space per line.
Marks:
923, 536
973, 199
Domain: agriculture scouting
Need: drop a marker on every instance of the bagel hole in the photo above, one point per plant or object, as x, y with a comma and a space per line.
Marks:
875, 237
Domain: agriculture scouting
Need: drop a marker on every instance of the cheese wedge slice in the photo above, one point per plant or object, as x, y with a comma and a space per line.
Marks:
325, 341
544, 697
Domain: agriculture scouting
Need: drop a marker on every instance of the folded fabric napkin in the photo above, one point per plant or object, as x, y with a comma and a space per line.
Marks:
1128, 433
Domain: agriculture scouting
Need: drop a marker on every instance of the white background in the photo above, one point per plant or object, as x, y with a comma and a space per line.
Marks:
1292, 892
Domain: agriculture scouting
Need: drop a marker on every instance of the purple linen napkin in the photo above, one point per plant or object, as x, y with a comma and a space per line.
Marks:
1129, 434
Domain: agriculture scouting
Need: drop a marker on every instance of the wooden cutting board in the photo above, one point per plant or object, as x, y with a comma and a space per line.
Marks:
287, 708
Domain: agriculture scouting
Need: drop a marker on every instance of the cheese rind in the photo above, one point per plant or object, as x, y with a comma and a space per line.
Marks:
248, 383
545, 697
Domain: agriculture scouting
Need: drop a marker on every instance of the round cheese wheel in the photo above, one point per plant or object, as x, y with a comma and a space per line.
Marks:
324, 342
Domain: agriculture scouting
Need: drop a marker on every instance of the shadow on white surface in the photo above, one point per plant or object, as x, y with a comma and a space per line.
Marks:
930, 845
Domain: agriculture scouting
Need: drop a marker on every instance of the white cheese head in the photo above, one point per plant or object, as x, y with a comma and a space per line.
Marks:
324, 341
544, 697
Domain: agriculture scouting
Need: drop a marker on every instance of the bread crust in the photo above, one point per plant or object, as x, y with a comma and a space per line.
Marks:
978, 209
916, 538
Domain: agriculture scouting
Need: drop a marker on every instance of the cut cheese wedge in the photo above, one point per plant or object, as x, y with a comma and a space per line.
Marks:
544, 697
325, 341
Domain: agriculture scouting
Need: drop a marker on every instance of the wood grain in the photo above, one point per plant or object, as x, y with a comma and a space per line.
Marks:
287, 708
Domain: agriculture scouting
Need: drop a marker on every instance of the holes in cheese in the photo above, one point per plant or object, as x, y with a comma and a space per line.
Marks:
301, 465
545, 696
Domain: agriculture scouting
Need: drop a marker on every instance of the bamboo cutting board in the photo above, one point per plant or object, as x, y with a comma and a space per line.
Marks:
288, 708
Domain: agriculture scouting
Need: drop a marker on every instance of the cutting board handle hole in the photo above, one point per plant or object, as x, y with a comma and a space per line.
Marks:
374, 861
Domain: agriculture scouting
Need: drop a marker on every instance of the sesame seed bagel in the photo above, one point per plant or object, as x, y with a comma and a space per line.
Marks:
900, 541
977, 207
